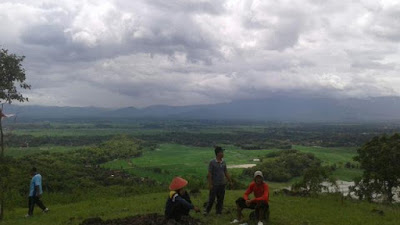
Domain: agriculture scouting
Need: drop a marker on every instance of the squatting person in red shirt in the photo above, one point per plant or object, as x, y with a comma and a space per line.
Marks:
259, 202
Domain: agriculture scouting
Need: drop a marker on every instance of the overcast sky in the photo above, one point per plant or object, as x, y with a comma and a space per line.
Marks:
119, 53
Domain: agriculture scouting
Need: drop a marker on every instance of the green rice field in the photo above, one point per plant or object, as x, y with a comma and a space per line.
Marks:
170, 160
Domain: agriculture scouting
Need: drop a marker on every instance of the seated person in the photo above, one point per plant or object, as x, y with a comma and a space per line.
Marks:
259, 202
178, 202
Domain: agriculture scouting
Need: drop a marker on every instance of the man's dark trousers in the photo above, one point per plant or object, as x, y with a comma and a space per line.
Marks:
35, 200
217, 191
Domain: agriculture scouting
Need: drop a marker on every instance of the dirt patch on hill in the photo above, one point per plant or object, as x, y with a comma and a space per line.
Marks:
149, 219
241, 166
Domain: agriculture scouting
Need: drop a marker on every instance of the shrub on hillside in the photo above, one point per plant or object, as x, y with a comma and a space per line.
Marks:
312, 180
284, 165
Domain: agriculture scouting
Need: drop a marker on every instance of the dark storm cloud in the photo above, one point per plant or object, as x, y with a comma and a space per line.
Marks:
119, 53
188, 7
151, 32
386, 24
373, 65
47, 35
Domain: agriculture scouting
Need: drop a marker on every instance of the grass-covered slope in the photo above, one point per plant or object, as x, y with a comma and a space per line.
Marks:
324, 210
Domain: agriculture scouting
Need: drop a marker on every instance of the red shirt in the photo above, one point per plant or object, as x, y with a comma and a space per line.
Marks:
261, 192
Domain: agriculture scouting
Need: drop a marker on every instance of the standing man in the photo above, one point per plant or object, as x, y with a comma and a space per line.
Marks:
217, 173
35, 192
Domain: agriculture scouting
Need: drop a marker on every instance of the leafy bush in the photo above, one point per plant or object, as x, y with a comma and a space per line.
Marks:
284, 165
379, 158
312, 179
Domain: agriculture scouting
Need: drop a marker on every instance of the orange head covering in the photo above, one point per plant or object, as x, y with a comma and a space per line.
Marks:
177, 183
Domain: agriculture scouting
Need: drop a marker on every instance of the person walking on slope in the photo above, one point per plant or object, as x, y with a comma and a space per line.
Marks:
35, 192
178, 203
217, 172
259, 202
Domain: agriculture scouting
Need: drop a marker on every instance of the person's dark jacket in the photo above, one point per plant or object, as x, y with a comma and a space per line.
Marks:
175, 201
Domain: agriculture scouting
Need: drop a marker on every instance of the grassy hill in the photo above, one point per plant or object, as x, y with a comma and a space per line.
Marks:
324, 210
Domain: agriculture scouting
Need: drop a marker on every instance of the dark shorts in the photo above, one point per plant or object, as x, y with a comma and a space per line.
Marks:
242, 204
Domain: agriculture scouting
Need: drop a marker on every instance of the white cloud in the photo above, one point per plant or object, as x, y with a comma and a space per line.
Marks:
193, 52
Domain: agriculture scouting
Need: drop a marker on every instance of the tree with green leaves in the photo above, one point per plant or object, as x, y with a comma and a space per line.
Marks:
12, 80
379, 158
313, 178
12, 76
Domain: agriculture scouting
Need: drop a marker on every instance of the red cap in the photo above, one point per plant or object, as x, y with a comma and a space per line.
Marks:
177, 183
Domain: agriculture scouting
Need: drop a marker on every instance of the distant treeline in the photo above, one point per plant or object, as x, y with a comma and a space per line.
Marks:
244, 140
273, 135
206, 133
281, 139
36, 141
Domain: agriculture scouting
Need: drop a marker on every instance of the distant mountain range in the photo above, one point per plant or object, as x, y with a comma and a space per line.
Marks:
290, 109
